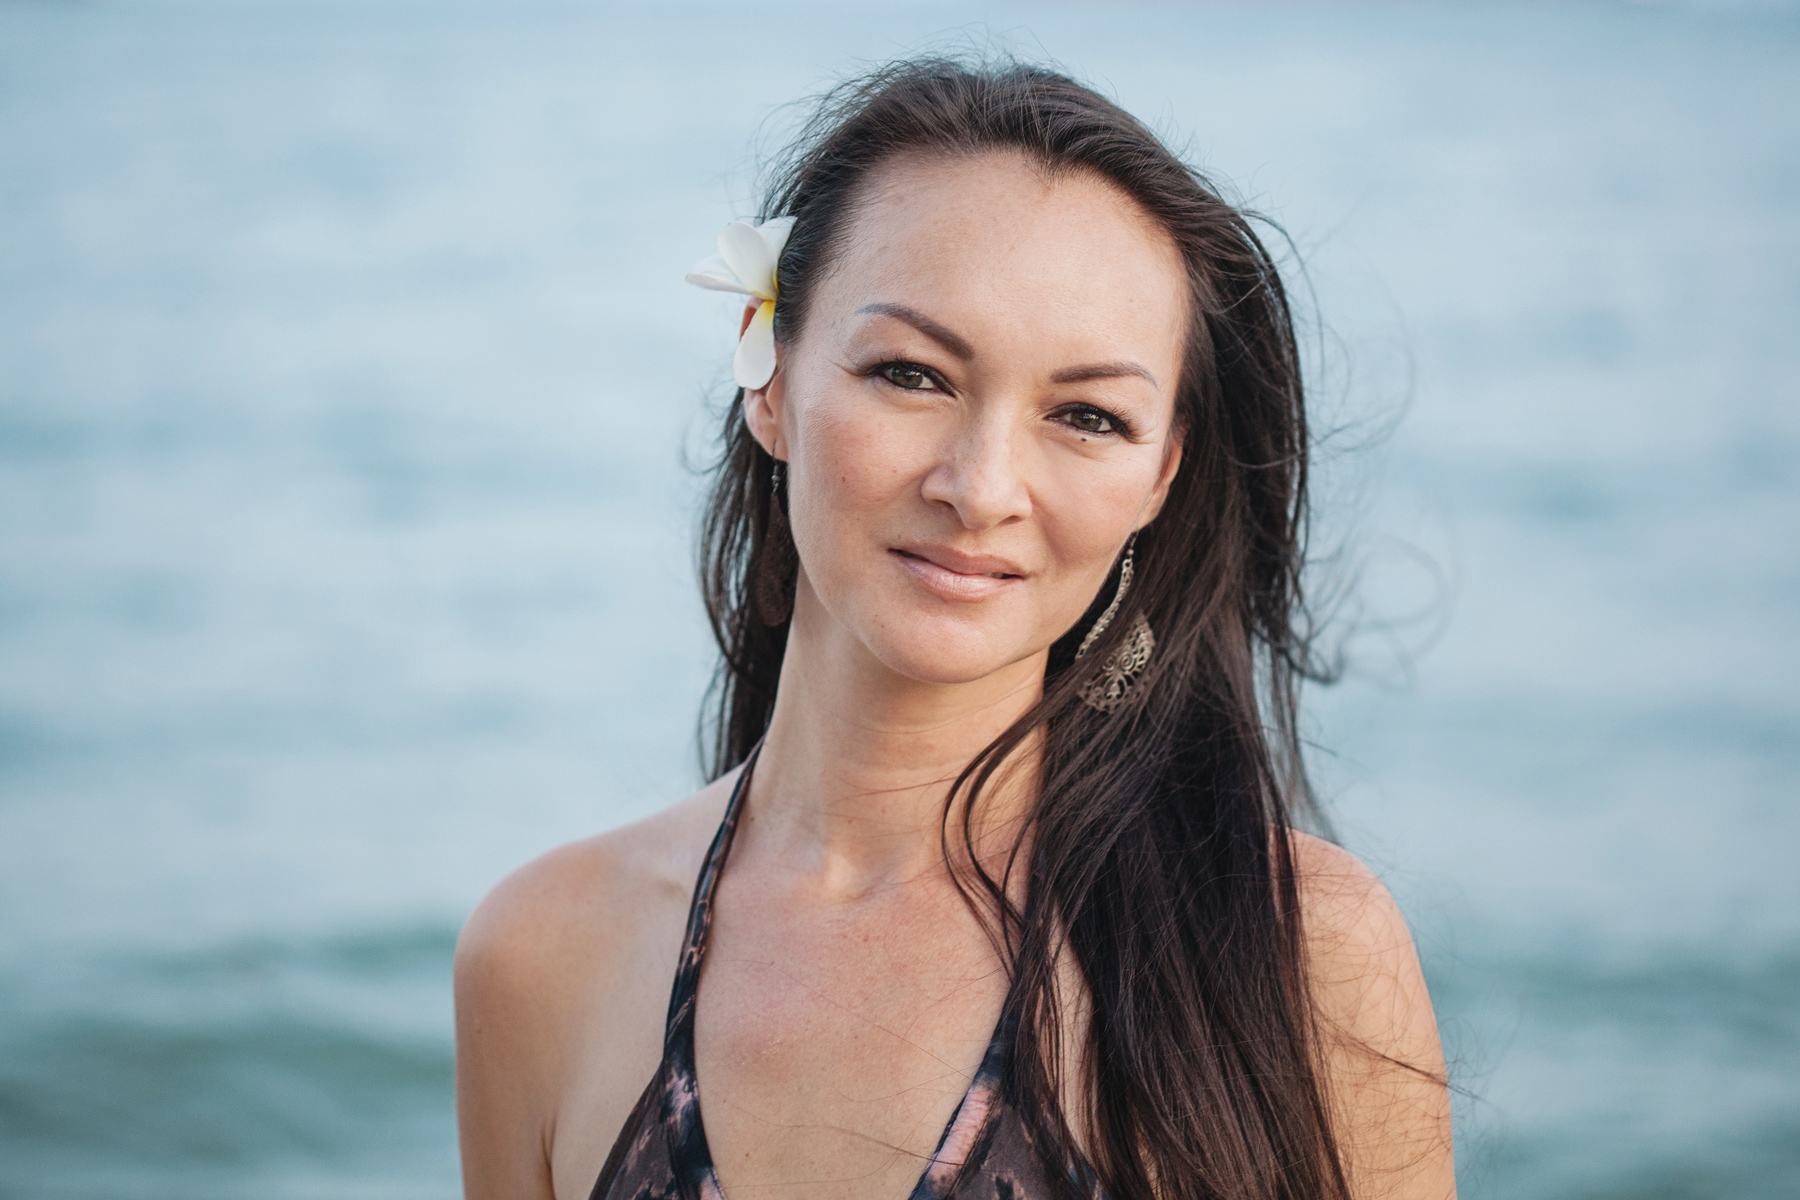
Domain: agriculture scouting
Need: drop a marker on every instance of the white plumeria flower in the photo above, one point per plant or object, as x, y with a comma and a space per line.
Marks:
745, 264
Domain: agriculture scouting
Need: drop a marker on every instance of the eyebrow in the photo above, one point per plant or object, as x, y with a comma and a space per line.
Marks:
925, 325
1106, 370
962, 349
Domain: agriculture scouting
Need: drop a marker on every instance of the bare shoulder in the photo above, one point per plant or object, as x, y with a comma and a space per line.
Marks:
562, 974
1383, 1060
1364, 970
1349, 914
577, 901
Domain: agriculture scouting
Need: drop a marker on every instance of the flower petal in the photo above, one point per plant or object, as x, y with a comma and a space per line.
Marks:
754, 363
745, 252
713, 264
775, 235
718, 283
713, 274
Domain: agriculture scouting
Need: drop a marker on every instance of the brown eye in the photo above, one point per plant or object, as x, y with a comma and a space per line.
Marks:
905, 375
1089, 420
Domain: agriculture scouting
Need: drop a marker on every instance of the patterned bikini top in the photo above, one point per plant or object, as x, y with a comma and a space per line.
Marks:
987, 1151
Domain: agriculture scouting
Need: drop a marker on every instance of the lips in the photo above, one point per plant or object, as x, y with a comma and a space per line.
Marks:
953, 575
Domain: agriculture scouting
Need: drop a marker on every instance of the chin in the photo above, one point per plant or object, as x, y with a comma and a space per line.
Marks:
940, 648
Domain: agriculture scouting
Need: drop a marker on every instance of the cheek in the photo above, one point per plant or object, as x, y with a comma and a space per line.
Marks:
851, 462
857, 457
1089, 508
1085, 515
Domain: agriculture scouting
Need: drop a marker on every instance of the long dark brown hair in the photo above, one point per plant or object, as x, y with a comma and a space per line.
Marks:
1157, 853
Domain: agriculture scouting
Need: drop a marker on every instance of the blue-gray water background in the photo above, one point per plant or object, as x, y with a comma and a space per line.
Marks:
346, 372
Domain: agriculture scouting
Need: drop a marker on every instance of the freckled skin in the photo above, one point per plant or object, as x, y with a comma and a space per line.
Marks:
976, 388
987, 462
985, 1152
977, 415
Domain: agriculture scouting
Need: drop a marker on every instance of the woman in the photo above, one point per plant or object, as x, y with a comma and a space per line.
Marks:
997, 891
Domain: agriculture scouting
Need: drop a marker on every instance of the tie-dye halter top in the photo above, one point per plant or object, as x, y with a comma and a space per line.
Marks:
987, 1151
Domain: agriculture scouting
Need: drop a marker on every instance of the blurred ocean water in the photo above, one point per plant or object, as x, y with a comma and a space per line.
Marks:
346, 378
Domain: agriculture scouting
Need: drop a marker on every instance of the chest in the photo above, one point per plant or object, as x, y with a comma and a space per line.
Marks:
834, 1043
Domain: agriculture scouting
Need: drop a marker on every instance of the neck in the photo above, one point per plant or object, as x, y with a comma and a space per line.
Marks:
852, 780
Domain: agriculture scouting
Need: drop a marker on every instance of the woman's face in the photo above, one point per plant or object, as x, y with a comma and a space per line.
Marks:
978, 412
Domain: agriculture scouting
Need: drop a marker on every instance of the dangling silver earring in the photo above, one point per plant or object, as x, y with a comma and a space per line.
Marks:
1107, 689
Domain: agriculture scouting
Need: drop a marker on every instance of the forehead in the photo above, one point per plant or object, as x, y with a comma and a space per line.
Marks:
993, 239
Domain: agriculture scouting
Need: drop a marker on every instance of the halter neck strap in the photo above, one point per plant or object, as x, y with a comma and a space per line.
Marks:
699, 922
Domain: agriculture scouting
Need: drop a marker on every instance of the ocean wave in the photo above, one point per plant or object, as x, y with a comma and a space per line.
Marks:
268, 1067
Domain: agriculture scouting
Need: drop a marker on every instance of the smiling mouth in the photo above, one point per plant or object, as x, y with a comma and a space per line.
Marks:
919, 558
947, 583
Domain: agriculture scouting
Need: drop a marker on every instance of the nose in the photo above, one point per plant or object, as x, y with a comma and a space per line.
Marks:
978, 473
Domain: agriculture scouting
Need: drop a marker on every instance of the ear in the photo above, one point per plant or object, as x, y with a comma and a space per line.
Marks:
1164, 478
763, 407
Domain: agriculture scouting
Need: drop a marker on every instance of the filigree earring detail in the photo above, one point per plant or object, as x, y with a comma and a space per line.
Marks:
1108, 688
778, 562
